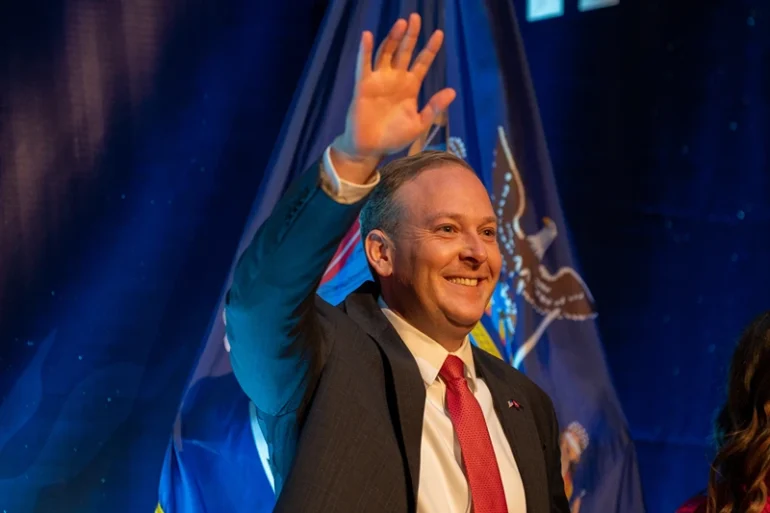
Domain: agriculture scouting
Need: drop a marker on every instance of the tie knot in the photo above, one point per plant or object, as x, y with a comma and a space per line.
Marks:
453, 369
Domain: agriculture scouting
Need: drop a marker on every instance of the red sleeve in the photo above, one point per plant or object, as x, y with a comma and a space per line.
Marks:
694, 505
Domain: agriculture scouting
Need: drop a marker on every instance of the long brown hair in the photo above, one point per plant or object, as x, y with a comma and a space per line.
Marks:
741, 468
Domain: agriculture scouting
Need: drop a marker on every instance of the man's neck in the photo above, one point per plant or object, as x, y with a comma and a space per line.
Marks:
451, 342
452, 345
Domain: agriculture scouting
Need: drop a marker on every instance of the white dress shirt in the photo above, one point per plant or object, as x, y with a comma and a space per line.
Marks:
443, 486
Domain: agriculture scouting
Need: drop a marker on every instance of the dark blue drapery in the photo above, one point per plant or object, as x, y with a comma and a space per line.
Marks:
657, 116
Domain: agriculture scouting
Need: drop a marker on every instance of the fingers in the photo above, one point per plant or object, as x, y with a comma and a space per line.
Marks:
364, 62
404, 55
424, 60
397, 49
438, 103
388, 47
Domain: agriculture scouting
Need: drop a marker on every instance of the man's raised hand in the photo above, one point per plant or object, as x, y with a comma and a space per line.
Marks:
383, 117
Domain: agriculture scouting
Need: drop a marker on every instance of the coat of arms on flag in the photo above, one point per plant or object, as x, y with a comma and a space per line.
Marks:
559, 295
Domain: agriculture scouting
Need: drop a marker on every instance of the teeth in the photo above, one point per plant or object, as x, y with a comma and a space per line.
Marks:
468, 282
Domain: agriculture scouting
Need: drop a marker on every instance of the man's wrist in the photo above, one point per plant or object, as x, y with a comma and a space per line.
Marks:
350, 167
341, 190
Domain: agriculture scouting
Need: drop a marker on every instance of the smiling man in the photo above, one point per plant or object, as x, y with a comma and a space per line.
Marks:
430, 238
382, 404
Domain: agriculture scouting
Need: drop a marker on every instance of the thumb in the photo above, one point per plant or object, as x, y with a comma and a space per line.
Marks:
438, 103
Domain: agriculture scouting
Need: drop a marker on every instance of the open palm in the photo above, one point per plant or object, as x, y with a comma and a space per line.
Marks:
383, 117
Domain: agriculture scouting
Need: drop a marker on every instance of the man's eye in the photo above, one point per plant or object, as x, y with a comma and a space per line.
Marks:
447, 229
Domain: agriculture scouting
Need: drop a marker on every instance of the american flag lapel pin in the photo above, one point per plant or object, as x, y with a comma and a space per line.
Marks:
513, 404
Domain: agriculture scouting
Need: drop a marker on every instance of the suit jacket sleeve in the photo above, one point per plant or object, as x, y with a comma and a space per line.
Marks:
272, 324
559, 502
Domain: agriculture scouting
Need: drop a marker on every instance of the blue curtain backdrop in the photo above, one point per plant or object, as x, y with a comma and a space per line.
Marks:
133, 143
657, 116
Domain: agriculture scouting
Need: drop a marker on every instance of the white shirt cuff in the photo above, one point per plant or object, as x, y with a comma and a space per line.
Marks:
341, 190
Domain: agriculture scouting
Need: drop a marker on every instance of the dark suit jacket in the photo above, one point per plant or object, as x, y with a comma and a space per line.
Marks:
339, 395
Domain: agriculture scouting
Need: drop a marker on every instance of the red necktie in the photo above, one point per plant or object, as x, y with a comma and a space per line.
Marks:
481, 467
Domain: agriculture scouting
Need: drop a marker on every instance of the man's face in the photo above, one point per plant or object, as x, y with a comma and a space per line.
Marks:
446, 261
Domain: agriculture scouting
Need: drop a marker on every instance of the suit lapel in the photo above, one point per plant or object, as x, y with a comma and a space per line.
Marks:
520, 430
407, 393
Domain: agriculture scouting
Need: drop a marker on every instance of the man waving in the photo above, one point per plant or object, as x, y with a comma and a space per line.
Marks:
382, 404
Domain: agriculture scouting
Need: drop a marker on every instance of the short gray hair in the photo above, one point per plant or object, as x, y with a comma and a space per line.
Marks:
381, 210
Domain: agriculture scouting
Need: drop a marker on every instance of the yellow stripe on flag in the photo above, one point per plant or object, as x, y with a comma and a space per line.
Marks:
484, 341
158, 509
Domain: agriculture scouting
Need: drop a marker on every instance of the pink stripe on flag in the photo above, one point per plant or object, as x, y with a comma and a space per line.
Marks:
344, 250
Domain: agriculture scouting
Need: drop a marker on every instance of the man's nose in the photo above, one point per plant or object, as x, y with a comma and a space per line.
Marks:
474, 249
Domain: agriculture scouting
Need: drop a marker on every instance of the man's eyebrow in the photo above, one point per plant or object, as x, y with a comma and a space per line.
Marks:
458, 217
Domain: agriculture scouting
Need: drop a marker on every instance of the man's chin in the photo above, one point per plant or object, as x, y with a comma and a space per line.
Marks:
464, 320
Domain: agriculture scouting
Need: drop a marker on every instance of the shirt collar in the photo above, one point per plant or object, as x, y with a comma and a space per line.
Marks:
429, 354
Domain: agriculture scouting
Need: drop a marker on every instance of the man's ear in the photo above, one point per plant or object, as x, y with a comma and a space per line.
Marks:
379, 252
